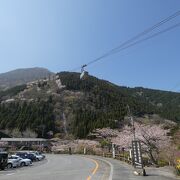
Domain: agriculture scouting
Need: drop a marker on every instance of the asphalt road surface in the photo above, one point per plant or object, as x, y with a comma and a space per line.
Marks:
76, 167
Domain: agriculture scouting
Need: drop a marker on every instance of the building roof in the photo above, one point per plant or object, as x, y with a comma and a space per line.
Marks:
21, 139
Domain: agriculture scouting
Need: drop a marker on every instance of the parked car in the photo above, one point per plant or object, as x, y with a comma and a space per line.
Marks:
22, 162
43, 155
3, 160
38, 156
26, 155
12, 163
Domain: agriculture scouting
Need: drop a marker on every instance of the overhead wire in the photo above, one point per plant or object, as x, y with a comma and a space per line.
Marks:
130, 43
149, 29
149, 37
135, 37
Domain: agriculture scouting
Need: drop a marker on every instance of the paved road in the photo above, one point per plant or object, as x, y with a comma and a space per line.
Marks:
122, 171
75, 167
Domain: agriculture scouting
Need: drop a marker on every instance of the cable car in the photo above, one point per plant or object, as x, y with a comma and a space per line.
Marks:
84, 73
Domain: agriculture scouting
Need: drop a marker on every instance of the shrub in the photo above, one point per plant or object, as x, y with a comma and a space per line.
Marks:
178, 167
104, 143
162, 163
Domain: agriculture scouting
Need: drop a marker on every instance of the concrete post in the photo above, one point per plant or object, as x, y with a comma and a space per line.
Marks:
113, 151
84, 150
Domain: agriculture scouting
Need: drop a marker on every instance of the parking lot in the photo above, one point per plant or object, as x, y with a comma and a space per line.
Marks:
20, 159
12, 171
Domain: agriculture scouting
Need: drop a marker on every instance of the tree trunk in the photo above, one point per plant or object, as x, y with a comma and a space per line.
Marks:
154, 161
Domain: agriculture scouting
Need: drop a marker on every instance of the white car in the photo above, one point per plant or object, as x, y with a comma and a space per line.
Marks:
12, 163
21, 161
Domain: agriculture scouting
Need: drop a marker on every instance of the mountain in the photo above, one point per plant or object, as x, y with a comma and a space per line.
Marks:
63, 104
22, 76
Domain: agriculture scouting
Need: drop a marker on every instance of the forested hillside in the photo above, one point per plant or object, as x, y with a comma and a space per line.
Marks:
36, 116
67, 104
104, 105
165, 103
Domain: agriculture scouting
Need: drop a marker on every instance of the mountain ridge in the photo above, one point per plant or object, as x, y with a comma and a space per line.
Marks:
21, 76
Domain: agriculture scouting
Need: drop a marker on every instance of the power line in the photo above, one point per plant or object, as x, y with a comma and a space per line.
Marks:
139, 41
136, 37
125, 44
149, 37
149, 29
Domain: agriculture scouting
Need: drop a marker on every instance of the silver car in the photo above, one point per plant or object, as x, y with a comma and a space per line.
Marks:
21, 161
38, 156
12, 163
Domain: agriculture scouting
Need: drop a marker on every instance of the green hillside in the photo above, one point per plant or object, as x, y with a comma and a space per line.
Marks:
83, 104
165, 103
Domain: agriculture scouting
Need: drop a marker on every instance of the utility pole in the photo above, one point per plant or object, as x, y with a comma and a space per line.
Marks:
134, 130
132, 122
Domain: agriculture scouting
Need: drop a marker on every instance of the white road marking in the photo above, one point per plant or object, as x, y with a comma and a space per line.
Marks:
112, 168
10, 174
110, 164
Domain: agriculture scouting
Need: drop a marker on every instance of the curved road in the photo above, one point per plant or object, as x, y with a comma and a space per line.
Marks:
76, 167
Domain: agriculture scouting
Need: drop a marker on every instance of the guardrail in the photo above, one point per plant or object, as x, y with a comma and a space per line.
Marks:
119, 157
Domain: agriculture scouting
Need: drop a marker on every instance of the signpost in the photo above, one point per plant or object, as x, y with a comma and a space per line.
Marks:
137, 158
137, 154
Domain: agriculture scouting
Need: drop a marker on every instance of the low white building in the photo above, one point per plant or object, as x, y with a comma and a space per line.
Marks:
24, 141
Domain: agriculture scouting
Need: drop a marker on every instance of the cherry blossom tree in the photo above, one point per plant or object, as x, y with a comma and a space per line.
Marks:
153, 138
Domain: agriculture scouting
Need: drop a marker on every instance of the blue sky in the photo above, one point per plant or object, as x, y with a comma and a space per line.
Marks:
63, 34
